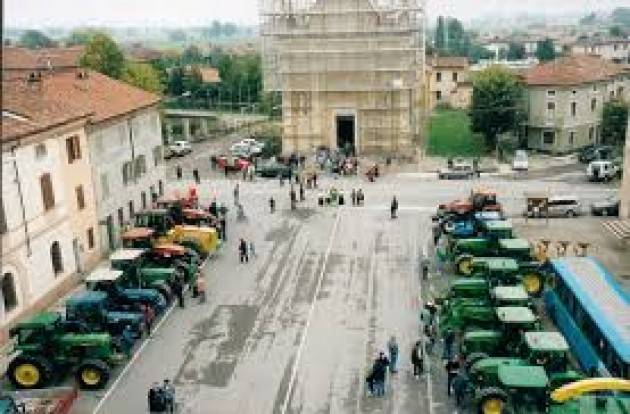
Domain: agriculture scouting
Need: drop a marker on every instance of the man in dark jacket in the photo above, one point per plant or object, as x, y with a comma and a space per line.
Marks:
417, 359
242, 248
394, 207
379, 371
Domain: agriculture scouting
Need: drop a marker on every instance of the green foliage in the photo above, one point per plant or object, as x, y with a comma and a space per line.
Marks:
103, 55
450, 135
143, 76
516, 51
81, 37
617, 31
621, 15
545, 50
191, 54
452, 40
34, 39
496, 103
614, 122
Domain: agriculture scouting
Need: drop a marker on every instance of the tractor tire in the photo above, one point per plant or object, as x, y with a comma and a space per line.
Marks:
30, 371
534, 283
463, 264
473, 357
491, 400
92, 374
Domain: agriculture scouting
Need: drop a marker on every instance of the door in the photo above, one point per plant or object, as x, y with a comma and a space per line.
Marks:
345, 134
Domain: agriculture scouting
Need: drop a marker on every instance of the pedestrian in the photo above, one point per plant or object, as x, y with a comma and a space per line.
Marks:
297, 178
225, 168
178, 288
242, 249
449, 339
244, 172
169, 396
417, 358
223, 226
452, 369
196, 176
178, 171
252, 250
281, 180
360, 197
252, 170
425, 268
292, 197
394, 207
148, 315
126, 340
302, 197
272, 205
392, 347
460, 382
213, 209
236, 194
379, 371
315, 180
353, 195
201, 289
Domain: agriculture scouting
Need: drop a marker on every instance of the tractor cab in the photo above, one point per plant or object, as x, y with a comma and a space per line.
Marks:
517, 318
480, 343
551, 351
484, 372
159, 220
496, 229
519, 249
510, 296
93, 309
199, 217
141, 272
138, 238
473, 288
110, 281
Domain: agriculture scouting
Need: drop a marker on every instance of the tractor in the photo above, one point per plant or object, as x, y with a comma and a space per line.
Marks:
46, 351
139, 272
94, 310
592, 396
110, 281
505, 270
169, 229
164, 255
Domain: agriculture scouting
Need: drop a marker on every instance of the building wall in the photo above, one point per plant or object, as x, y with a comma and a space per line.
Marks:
112, 144
615, 51
451, 92
79, 173
30, 265
624, 192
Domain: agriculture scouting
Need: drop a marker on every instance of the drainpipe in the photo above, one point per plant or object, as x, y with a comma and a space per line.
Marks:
21, 196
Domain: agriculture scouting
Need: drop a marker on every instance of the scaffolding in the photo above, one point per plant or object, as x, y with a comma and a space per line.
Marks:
361, 60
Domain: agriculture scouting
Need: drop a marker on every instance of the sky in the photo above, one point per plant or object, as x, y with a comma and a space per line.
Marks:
42, 13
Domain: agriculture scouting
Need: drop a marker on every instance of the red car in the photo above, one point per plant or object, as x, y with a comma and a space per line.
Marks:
235, 164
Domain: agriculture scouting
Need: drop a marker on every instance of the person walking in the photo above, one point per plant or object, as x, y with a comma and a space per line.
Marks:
213, 209
460, 382
379, 372
302, 197
178, 288
201, 289
223, 225
178, 172
449, 339
394, 207
392, 347
360, 197
242, 249
149, 316
292, 197
417, 358
272, 205
353, 196
315, 180
452, 369
236, 194
196, 176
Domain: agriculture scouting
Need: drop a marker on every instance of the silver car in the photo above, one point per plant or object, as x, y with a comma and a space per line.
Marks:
564, 206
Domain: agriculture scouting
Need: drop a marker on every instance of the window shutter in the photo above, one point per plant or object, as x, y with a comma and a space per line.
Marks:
48, 195
80, 197
77, 149
70, 150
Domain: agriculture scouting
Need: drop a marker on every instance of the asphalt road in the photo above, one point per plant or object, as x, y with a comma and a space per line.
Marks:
295, 329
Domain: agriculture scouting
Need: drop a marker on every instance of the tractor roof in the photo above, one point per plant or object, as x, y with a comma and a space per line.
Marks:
126, 254
515, 314
103, 274
153, 211
497, 225
198, 229
138, 233
469, 282
482, 334
523, 376
492, 363
514, 244
88, 296
39, 320
546, 341
513, 293
496, 263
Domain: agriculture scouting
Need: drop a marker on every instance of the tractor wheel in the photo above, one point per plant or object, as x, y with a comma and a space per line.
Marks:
533, 283
92, 374
474, 357
30, 371
491, 400
464, 264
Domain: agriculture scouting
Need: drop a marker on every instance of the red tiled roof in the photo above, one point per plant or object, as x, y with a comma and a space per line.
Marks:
572, 70
18, 58
65, 95
448, 61
143, 54
27, 108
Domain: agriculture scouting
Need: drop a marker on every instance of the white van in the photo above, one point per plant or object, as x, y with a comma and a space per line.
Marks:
520, 162
564, 206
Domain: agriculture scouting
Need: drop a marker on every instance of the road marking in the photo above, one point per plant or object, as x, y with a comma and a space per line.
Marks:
298, 354
137, 354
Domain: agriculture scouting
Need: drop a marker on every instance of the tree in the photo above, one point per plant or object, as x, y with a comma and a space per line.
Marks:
143, 76
496, 103
545, 50
192, 54
621, 15
516, 51
34, 39
614, 122
617, 31
103, 55
80, 37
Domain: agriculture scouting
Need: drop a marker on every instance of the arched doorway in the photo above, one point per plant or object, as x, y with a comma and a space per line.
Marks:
56, 258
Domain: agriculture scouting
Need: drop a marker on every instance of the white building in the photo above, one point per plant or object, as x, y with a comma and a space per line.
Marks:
615, 50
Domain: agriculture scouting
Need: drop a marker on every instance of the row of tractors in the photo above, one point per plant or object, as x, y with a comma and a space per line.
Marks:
162, 253
510, 360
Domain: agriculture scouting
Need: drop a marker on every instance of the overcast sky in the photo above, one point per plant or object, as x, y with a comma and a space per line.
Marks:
192, 12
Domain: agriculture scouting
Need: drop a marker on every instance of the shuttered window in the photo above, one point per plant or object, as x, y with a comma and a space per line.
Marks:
80, 197
73, 148
48, 196
90, 238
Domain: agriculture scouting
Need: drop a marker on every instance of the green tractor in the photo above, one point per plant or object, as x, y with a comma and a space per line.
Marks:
141, 273
504, 270
47, 351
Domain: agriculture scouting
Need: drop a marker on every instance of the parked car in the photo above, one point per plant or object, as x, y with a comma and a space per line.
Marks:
606, 207
240, 149
564, 206
602, 170
520, 162
595, 152
256, 146
232, 163
274, 169
180, 148
460, 169
168, 153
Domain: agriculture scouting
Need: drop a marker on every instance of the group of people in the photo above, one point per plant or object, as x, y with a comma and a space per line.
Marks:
357, 197
161, 397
